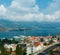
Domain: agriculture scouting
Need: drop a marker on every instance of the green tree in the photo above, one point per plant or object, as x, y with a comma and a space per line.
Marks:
2, 49
1, 44
7, 53
51, 52
19, 50
30, 54
10, 50
13, 41
24, 52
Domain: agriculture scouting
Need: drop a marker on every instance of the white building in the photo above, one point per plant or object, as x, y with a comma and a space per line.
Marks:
10, 46
36, 47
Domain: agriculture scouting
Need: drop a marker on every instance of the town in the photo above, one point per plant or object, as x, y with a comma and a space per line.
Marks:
29, 45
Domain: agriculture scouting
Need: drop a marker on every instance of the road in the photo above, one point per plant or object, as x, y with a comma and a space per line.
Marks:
50, 48
46, 49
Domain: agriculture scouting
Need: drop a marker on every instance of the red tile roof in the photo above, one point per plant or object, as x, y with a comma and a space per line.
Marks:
8, 51
31, 38
37, 44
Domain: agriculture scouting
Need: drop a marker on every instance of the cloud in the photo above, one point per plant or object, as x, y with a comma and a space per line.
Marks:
37, 17
53, 7
18, 10
24, 5
2, 10
28, 10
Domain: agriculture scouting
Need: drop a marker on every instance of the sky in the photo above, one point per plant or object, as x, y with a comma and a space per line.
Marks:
30, 10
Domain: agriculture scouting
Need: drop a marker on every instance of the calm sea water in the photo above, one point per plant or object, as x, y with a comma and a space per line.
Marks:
38, 28
33, 32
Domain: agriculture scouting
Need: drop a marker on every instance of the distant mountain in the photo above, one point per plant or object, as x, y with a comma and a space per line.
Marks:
7, 23
37, 28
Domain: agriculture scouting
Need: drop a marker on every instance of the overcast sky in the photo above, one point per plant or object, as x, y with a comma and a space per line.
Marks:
30, 10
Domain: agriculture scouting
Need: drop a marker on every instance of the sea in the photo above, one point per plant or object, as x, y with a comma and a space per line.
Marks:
37, 29
39, 32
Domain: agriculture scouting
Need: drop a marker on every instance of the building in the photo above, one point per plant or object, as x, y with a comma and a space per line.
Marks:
34, 48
